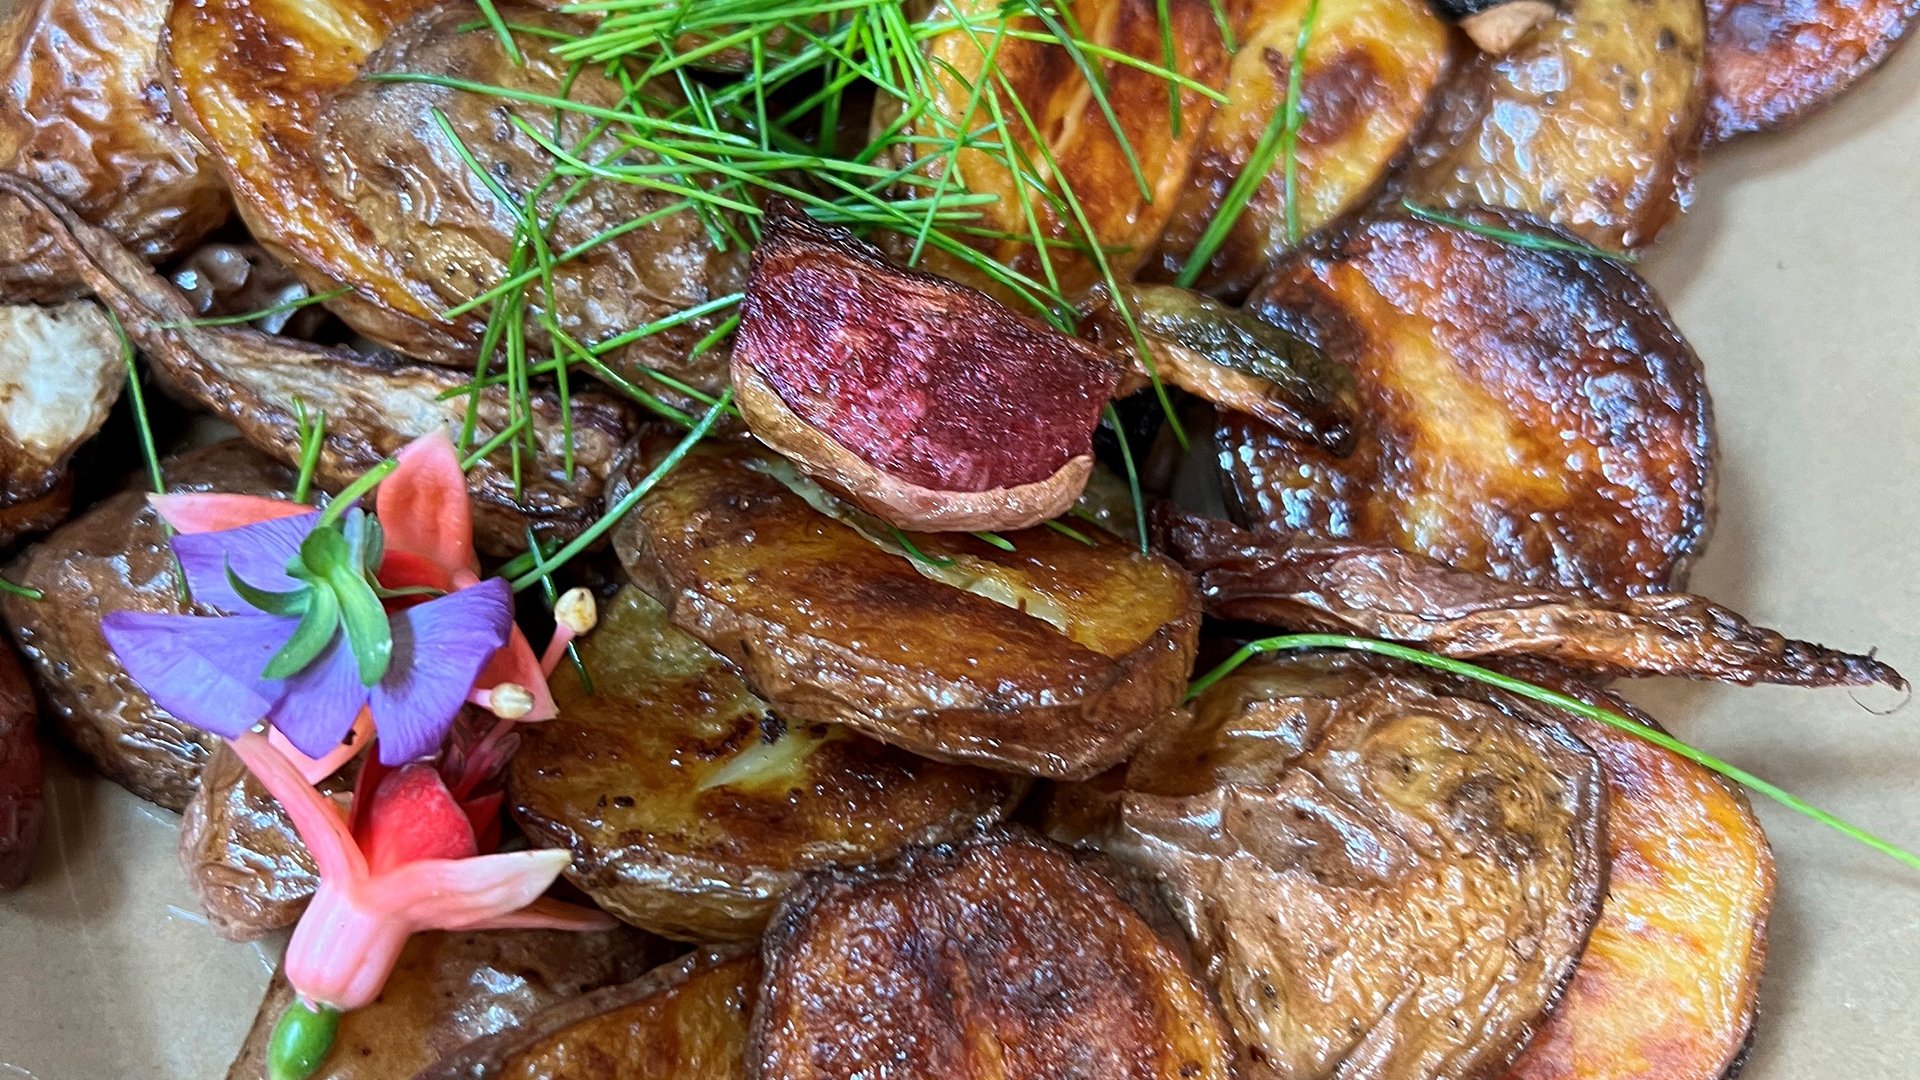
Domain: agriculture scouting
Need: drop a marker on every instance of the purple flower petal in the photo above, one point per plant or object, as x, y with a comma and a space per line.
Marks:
321, 701
258, 553
439, 648
206, 671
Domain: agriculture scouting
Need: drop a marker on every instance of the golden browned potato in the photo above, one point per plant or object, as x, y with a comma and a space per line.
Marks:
998, 958
115, 557
1381, 878
356, 182
1530, 414
60, 373
1770, 62
82, 111
689, 807
683, 1021
1592, 122
1052, 659
1370, 68
22, 798
450, 988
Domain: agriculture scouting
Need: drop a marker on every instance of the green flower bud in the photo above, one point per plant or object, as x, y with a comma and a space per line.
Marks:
301, 1039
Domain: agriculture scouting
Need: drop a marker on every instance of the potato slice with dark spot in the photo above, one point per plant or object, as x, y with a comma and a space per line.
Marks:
684, 1021
690, 808
1591, 122
1052, 659
1771, 62
449, 989
1383, 879
998, 958
1530, 414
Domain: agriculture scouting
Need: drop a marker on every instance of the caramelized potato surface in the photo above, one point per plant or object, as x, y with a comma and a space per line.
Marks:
998, 958
1770, 62
689, 807
1530, 414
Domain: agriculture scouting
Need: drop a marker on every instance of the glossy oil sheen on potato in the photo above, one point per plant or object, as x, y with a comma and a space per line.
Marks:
1000, 958
1591, 122
684, 1021
1384, 881
690, 808
1530, 414
1052, 659
1770, 62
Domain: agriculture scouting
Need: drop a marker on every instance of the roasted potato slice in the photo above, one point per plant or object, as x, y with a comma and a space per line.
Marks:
331, 169
1527, 413
1054, 658
1592, 122
690, 808
1382, 878
81, 111
449, 989
1000, 957
113, 557
60, 373
684, 1020
22, 796
1770, 62
1370, 68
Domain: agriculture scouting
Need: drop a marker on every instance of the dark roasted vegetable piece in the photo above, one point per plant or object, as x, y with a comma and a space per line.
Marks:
1771, 62
1526, 413
81, 111
331, 171
60, 373
682, 1021
1001, 957
374, 405
1052, 659
1371, 590
1592, 122
926, 402
690, 808
449, 989
115, 557
1384, 879
22, 796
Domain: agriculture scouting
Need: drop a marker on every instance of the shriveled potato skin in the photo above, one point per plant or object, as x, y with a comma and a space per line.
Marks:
22, 797
450, 988
115, 556
1592, 122
1771, 62
83, 112
682, 1020
828, 626
690, 808
997, 958
1371, 67
1530, 414
1383, 880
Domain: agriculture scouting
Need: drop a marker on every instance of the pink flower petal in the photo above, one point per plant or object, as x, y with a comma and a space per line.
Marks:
410, 817
424, 506
316, 769
342, 951
215, 512
517, 664
405, 570
315, 817
547, 914
459, 894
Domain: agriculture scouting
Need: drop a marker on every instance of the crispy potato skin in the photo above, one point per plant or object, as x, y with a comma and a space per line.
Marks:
1383, 879
22, 797
683, 1020
828, 626
451, 988
113, 557
82, 111
690, 808
1371, 67
1592, 122
1534, 415
1001, 957
1770, 62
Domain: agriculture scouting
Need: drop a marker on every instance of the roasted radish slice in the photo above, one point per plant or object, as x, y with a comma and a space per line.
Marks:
999, 958
1591, 122
682, 1021
1054, 658
1770, 62
924, 401
690, 808
60, 373
22, 799
1382, 878
1528, 413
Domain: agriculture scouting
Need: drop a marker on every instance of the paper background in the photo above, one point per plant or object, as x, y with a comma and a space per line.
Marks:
1797, 278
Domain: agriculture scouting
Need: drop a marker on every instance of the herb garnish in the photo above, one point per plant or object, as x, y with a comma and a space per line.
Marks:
1537, 241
